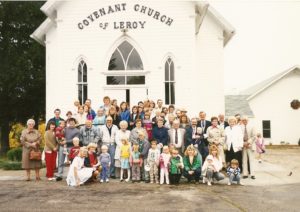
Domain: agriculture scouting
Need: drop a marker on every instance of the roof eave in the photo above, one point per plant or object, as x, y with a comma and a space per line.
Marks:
40, 33
228, 29
272, 82
49, 8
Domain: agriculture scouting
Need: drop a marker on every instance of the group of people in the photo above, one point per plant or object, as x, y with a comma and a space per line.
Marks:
150, 143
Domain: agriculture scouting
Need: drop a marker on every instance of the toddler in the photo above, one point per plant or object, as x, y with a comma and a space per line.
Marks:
60, 136
176, 166
104, 161
153, 161
164, 160
260, 146
208, 166
234, 172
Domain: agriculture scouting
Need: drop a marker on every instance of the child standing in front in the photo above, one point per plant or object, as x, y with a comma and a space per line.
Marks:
234, 172
260, 146
176, 166
125, 154
136, 163
104, 160
164, 161
153, 161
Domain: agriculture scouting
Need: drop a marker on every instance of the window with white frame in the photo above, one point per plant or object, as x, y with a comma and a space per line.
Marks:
266, 125
82, 82
127, 60
169, 82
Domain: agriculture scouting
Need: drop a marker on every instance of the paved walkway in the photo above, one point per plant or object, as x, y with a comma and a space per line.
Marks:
274, 170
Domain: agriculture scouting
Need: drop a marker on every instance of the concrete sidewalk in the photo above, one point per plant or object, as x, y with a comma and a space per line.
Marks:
274, 170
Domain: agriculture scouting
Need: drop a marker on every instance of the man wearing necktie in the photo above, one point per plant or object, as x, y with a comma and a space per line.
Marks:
176, 136
249, 137
204, 124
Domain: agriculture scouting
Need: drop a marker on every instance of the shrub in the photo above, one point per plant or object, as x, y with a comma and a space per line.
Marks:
15, 134
12, 165
15, 154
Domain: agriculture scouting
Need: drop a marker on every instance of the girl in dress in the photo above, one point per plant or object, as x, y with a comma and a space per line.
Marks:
78, 174
260, 146
125, 155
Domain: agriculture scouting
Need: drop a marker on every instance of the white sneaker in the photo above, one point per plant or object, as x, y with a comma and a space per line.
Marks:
208, 183
127, 180
241, 184
204, 180
229, 183
101, 181
107, 180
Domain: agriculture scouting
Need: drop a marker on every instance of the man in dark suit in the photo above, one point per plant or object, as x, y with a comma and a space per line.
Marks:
194, 136
221, 122
204, 124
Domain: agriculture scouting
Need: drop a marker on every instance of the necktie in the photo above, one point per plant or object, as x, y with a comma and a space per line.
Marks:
176, 137
245, 134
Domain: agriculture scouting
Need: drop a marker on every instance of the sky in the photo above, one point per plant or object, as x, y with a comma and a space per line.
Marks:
267, 40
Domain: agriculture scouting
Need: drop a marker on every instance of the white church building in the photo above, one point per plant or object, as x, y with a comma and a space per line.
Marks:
132, 51
268, 105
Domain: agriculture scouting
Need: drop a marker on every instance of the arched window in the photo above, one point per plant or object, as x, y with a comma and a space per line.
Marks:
125, 58
169, 82
82, 82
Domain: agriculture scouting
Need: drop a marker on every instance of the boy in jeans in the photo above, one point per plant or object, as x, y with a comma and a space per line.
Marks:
234, 172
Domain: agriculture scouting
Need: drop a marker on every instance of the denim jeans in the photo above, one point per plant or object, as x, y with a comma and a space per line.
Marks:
111, 151
104, 175
233, 177
210, 174
61, 160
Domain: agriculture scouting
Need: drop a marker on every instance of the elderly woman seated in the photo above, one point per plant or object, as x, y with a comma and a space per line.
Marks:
192, 164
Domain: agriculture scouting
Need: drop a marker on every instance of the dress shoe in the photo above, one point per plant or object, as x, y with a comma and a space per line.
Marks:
58, 178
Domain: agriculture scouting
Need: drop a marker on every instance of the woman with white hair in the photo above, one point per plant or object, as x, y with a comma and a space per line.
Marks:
30, 140
120, 134
233, 141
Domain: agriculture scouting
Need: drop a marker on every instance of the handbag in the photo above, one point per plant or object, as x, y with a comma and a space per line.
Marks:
35, 154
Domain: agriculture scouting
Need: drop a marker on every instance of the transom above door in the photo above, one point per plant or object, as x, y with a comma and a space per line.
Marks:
125, 66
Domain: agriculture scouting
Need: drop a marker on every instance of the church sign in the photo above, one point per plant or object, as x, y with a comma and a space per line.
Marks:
124, 24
